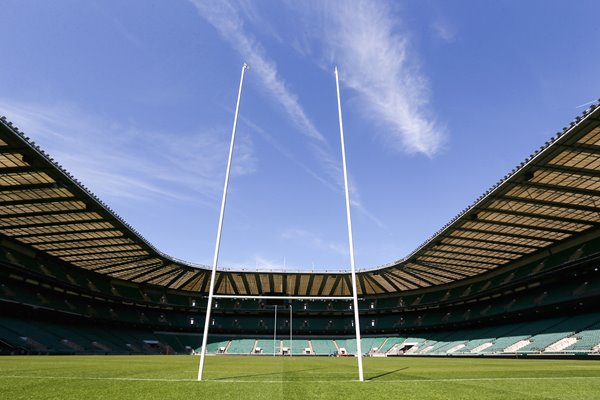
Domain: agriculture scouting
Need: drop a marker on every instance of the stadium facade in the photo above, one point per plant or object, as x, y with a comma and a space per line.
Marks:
517, 272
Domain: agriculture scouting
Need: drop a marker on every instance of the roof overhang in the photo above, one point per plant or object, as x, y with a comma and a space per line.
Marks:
552, 197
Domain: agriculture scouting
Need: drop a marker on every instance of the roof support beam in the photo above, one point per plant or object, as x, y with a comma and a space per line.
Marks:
588, 148
401, 276
569, 220
82, 240
347, 284
15, 150
74, 232
592, 173
442, 273
271, 281
192, 278
297, 285
258, 283
453, 265
525, 226
401, 282
98, 246
97, 252
496, 242
165, 273
567, 206
42, 213
335, 284
462, 246
101, 260
441, 281
178, 276
30, 186
458, 253
558, 188
388, 278
284, 283
118, 264
219, 281
322, 285
48, 224
245, 283
74, 240
25, 169
434, 270
373, 282
233, 284
311, 279
205, 280
506, 234
148, 269
451, 258
32, 202
420, 277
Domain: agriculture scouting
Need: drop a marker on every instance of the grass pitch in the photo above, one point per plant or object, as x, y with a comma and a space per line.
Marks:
228, 377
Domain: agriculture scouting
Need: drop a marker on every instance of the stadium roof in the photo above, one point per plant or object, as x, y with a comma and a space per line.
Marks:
551, 197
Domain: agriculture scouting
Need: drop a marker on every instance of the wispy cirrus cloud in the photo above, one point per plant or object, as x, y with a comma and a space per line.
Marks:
224, 17
123, 161
376, 60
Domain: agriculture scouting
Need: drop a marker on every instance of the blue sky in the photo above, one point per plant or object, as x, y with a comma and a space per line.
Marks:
440, 99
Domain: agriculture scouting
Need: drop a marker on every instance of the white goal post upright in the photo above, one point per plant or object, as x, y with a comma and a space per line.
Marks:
350, 241
211, 289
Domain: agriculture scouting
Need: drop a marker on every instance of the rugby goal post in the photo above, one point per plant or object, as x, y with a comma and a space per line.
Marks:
211, 294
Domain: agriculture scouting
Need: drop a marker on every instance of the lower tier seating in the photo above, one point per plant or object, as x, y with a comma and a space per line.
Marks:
578, 334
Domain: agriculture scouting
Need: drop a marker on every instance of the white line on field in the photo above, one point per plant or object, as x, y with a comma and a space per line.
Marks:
96, 378
295, 381
412, 380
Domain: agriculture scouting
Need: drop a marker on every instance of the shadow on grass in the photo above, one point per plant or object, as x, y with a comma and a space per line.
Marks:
264, 374
386, 373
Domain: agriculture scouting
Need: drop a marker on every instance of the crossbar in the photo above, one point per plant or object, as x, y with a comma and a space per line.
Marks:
240, 296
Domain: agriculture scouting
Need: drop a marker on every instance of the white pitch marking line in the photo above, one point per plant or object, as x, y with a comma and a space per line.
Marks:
96, 378
414, 380
298, 381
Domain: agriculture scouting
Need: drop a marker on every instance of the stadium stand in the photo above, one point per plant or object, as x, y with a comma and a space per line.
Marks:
562, 329
515, 274
587, 340
46, 337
